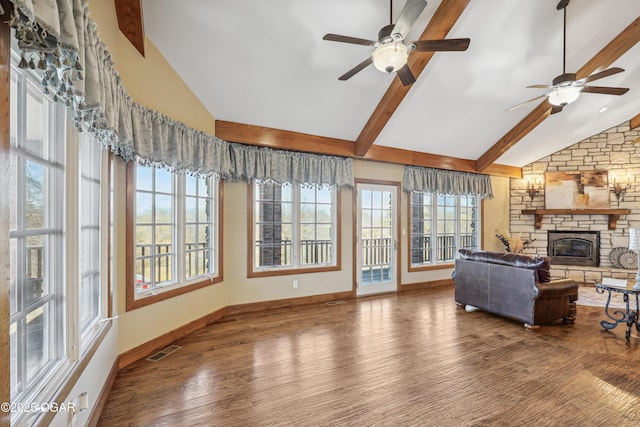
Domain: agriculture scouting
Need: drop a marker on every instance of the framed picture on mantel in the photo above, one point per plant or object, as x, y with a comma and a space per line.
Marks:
576, 190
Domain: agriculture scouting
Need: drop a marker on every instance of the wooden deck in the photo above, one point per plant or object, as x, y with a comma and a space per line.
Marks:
398, 359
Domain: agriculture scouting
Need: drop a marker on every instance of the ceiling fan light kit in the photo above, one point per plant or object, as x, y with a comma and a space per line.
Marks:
390, 57
564, 95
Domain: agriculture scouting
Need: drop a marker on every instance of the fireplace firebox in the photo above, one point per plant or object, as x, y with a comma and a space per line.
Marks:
574, 248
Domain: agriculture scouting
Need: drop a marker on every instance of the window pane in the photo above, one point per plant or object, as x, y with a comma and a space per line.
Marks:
203, 209
164, 213
144, 205
163, 181
307, 195
35, 269
190, 185
38, 122
204, 187
35, 187
144, 178
191, 204
38, 326
307, 213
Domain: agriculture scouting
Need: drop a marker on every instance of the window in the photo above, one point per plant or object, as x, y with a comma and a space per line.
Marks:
294, 228
440, 225
176, 233
90, 253
36, 233
56, 283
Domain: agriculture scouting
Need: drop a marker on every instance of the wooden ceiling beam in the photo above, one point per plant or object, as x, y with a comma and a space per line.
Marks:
296, 141
613, 50
519, 131
130, 22
603, 59
635, 122
443, 20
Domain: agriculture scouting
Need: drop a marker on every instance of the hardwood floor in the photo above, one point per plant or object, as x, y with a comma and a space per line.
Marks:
400, 359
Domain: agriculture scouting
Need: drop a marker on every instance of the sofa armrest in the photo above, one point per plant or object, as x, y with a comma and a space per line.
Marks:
555, 289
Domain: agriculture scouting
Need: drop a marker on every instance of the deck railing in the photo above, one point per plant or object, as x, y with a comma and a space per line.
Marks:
163, 266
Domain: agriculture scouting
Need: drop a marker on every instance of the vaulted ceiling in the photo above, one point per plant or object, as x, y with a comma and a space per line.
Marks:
264, 72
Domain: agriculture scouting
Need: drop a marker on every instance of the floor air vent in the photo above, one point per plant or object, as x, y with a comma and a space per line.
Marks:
163, 353
335, 302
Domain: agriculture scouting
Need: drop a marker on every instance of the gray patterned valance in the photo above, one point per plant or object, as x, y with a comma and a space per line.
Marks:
58, 38
447, 182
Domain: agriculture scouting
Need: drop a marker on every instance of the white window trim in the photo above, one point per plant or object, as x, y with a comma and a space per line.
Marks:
295, 265
178, 183
434, 229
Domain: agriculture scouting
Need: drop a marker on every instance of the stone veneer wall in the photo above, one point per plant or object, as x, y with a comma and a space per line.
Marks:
611, 150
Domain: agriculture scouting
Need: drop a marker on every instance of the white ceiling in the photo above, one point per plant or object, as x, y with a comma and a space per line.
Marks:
264, 63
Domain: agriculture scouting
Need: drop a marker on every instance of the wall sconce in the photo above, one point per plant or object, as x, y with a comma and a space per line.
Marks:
532, 190
618, 189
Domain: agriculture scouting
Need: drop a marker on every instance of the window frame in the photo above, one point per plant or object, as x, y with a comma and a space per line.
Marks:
434, 264
179, 286
298, 268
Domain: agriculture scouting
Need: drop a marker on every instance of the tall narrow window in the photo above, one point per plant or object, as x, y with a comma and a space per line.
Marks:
176, 237
440, 225
90, 235
37, 322
294, 228
199, 235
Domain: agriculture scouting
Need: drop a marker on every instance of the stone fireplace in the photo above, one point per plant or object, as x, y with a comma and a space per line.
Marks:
611, 150
574, 247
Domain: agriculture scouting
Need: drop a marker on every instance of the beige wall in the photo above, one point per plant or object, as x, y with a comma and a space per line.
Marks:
496, 214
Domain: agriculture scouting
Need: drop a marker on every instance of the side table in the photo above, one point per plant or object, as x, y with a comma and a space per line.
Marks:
629, 315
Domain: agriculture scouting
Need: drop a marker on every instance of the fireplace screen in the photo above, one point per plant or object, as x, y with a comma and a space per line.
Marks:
574, 247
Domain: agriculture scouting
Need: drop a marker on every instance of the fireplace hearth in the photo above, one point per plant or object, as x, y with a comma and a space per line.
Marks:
574, 248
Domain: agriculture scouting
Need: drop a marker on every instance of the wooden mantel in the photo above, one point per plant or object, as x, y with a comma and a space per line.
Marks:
614, 214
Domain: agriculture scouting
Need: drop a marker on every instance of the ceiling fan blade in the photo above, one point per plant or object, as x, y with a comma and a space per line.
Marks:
361, 66
347, 39
601, 74
406, 76
541, 86
526, 102
556, 109
409, 15
446, 45
606, 90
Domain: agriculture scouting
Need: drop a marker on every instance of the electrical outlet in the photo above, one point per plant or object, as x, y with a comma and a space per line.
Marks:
295, 284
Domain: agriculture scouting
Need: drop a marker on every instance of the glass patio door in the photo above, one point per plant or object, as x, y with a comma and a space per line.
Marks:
377, 243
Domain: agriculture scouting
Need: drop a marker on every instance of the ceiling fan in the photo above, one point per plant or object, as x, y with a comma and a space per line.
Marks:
566, 88
390, 53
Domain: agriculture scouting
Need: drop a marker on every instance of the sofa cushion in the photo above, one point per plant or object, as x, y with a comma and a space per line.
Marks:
541, 265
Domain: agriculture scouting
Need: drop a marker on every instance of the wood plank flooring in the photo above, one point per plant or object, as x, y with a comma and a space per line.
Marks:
399, 359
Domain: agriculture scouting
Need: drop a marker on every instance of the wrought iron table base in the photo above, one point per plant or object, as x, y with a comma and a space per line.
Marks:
628, 315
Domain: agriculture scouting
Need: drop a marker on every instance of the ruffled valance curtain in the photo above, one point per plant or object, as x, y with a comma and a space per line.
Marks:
58, 38
447, 182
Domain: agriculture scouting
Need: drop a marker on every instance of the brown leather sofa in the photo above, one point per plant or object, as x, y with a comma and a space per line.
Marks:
514, 286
